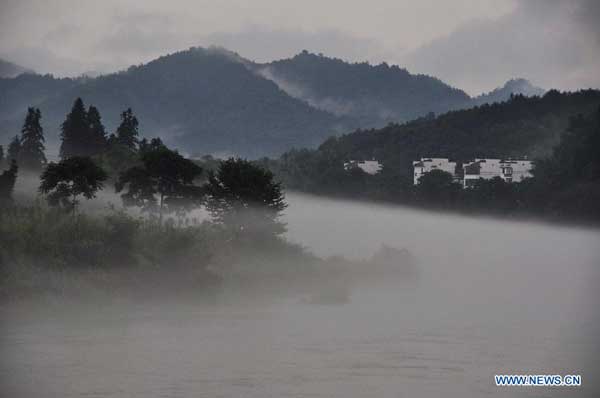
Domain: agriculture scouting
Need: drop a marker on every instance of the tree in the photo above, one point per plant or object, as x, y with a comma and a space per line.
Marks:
1, 155
65, 181
438, 188
127, 132
97, 133
74, 134
245, 198
31, 154
163, 183
14, 148
8, 179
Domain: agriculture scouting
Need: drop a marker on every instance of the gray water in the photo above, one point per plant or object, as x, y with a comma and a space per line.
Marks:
492, 297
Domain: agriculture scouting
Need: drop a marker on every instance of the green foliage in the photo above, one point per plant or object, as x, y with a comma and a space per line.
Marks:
63, 182
164, 181
31, 153
246, 199
1, 155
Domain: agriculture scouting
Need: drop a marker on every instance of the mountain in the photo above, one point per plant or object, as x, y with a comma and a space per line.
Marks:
372, 96
200, 100
516, 128
27, 89
511, 87
8, 69
214, 101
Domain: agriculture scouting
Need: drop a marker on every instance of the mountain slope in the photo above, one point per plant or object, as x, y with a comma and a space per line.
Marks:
201, 100
214, 101
9, 70
25, 90
372, 95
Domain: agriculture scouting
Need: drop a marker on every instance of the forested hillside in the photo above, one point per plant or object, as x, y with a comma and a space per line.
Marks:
372, 95
517, 128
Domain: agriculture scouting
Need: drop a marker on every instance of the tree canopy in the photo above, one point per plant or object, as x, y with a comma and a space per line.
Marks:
65, 181
127, 133
246, 198
164, 182
31, 153
82, 132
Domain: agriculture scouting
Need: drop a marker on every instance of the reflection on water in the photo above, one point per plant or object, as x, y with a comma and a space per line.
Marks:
492, 297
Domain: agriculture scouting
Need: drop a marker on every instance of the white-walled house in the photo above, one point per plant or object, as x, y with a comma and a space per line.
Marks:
425, 165
368, 166
510, 170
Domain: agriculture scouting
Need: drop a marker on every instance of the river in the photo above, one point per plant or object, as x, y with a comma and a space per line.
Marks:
492, 297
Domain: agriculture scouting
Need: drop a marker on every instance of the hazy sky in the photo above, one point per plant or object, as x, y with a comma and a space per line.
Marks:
473, 44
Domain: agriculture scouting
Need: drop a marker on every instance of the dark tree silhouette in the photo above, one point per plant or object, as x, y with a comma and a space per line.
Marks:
97, 133
438, 187
65, 181
245, 198
14, 148
82, 132
75, 132
127, 132
31, 154
1, 155
7, 182
163, 183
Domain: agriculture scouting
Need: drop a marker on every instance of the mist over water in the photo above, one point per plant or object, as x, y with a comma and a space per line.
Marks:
491, 296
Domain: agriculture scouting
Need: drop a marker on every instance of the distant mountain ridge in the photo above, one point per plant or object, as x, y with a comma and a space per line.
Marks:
210, 100
200, 100
373, 95
511, 87
9, 69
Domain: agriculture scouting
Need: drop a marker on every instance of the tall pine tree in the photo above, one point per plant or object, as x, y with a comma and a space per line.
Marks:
13, 149
97, 133
75, 132
31, 155
127, 132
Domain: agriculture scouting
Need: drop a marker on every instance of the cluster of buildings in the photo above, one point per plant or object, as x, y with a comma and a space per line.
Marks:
510, 170
467, 174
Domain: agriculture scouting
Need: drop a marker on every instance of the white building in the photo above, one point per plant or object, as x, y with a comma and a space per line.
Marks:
425, 165
368, 166
510, 170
